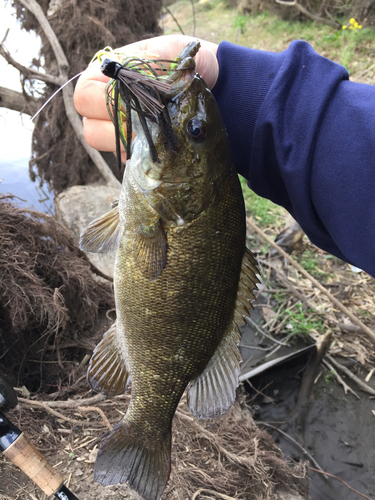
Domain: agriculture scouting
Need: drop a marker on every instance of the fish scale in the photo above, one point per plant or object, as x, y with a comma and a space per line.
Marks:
183, 280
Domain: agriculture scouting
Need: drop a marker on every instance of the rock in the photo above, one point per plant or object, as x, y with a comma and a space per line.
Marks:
78, 206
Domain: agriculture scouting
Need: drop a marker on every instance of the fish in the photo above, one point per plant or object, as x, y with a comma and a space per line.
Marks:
183, 282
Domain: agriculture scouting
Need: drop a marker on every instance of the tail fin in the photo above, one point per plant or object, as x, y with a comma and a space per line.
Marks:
127, 455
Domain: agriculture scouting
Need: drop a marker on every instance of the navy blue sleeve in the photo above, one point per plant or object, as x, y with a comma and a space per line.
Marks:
303, 136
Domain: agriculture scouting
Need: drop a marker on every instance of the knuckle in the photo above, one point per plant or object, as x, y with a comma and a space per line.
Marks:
89, 132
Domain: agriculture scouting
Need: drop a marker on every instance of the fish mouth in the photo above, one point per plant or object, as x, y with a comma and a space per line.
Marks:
153, 184
184, 73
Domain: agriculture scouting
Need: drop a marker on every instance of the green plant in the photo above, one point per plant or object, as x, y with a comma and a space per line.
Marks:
311, 262
308, 261
349, 42
264, 211
329, 377
299, 324
240, 21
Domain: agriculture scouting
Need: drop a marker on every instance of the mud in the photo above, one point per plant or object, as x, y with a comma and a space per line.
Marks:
337, 429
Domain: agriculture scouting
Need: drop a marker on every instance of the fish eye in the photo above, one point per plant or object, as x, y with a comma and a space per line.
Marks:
196, 129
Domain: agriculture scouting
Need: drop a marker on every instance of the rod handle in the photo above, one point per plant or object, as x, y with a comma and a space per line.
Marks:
25, 456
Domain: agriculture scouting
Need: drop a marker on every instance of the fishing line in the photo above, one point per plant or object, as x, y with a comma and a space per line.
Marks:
53, 95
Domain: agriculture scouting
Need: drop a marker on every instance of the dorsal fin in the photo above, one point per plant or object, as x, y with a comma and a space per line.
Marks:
212, 393
246, 285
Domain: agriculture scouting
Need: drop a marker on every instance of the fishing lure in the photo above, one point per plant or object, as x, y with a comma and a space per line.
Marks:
136, 85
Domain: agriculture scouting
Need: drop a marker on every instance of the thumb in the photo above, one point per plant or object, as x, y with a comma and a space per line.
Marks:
169, 47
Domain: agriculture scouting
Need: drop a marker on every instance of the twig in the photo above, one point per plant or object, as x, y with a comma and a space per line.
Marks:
194, 22
29, 72
339, 379
247, 462
267, 335
365, 71
5, 36
316, 283
309, 376
310, 457
58, 414
309, 14
203, 490
341, 481
174, 19
262, 393
46, 405
67, 91
98, 410
70, 403
344, 327
348, 373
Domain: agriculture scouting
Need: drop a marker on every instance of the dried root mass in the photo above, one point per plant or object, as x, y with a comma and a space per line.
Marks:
229, 456
48, 294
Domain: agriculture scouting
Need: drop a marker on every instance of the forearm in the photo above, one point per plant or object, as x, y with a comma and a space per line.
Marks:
302, 135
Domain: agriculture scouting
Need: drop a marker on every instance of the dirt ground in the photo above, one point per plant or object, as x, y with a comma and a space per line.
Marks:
209, 459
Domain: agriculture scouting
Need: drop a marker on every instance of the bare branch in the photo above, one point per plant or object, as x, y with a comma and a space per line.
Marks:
18, 102
348, 373
67, 91
309, 14
76, 123
174, 19
36, 9
29, 72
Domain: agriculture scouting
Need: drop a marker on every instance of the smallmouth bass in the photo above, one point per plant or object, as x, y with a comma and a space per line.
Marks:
183, 280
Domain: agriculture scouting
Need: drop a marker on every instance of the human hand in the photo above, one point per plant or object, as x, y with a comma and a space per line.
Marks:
89, 95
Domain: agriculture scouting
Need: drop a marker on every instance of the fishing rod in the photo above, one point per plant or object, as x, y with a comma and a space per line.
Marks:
15, 446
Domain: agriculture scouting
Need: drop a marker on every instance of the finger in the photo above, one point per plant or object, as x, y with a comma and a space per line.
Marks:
89, 94
169, 47
162, 47
99, 134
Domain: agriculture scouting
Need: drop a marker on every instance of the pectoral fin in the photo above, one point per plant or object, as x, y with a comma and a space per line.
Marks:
150, 249
107, 371
102, 235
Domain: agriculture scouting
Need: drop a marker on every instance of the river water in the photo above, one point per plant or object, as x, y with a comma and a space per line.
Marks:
15, 179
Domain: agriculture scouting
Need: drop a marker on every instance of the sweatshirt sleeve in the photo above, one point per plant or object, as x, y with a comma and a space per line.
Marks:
303, 136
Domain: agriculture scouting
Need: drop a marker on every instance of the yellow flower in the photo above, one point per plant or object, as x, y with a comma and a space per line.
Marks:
352, 20
344, 27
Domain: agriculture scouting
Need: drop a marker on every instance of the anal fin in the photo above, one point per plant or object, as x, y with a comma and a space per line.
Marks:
246, 286
107, 371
